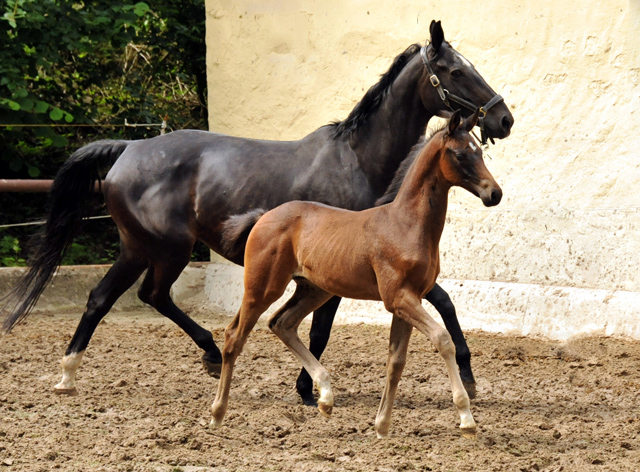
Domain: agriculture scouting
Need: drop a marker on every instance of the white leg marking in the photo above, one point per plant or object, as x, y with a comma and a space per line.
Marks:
70, 366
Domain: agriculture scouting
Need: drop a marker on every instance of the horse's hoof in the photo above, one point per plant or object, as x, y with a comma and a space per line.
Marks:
72, 392
469, 433
326, 410
470, 387
212, 369
309, 401
382, 435
215, 424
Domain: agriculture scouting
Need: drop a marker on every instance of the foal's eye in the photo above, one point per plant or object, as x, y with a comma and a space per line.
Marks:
460, 156
456, 73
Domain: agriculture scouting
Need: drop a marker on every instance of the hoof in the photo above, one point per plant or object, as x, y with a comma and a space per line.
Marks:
309, 401
72, 392
326, 410
215, 424
212, 369
470, 387
469, 433
382, 435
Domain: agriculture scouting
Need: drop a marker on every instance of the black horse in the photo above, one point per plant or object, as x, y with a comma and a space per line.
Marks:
165, 193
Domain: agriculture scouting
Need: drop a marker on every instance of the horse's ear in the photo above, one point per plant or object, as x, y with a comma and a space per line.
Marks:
437, 35
471, 121
454, 122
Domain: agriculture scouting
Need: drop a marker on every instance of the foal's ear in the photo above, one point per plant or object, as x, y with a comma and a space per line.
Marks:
471, 121
437, 35
454, 122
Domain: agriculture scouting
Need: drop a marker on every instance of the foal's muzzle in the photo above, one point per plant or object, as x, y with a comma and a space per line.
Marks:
490, 193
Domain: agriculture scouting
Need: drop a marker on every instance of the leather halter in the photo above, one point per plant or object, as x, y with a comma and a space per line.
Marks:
447, 97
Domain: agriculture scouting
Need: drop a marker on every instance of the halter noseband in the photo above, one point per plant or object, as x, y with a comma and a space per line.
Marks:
448, 97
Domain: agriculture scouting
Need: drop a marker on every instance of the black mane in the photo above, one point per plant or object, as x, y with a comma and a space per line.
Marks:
405, 165
375, 95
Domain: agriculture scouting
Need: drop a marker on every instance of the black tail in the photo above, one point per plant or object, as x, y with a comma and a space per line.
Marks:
68, 204
235, 232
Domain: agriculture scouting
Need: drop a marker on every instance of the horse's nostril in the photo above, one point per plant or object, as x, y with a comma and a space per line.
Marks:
506, 123
496, 196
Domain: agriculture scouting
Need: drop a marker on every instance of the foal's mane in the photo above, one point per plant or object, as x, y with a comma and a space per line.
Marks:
374, 96
405, 165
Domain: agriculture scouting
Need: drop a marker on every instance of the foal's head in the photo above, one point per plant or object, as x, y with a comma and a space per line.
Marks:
461, 161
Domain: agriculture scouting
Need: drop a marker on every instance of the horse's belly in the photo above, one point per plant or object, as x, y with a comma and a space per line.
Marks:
348, 282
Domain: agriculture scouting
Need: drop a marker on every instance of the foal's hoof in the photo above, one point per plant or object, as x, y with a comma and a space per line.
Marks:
326, 410
212, 369
72, 392
469, 433
470, 387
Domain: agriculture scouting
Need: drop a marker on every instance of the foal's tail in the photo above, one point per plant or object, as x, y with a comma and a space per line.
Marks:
69, 202
235, 232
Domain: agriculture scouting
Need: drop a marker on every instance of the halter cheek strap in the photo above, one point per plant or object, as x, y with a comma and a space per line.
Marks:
448, 97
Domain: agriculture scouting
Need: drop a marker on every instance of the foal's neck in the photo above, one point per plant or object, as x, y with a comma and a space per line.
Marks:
423, 197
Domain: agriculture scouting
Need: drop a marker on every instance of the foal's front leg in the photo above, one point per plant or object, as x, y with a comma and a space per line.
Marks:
398, 344
406, 305
442, 302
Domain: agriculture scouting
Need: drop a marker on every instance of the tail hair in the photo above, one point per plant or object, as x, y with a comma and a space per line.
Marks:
235, 232
69, 203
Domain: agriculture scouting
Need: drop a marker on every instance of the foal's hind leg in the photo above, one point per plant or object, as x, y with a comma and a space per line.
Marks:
442, 302
398, 344
318, 338
124, 272
284, 323
155, 290
235, 337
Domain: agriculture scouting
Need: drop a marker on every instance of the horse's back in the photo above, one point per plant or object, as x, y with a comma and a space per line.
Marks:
329, 245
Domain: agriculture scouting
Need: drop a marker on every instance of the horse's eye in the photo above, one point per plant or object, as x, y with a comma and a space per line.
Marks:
460, 156
456, 73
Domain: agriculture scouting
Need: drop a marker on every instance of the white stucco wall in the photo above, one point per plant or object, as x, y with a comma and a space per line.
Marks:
559, 255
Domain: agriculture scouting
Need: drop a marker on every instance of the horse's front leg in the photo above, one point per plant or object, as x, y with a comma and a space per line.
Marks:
398, 344
318, 338
442, 302
406, 305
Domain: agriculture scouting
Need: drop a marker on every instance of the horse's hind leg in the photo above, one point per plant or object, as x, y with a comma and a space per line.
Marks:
318, 338
284, 323
398, 344
155, 290
124, 272
235, 337
442, 302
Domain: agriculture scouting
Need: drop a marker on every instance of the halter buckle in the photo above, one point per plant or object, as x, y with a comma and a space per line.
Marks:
434, 80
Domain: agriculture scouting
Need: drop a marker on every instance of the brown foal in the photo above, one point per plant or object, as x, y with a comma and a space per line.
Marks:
389, 253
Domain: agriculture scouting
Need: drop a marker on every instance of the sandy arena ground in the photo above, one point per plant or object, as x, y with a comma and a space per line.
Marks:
144, 399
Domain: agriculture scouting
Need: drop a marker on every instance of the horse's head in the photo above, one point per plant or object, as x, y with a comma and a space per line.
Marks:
462, 164
459, 86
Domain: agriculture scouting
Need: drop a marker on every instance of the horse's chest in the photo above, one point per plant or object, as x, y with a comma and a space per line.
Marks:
419, 270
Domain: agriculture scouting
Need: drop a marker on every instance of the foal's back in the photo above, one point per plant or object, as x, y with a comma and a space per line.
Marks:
330, 247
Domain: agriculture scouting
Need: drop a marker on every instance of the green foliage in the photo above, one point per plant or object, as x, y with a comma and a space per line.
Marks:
9, 252
92, 63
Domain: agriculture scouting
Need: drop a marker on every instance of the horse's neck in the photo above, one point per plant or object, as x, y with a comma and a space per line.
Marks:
422, 200
393, 129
